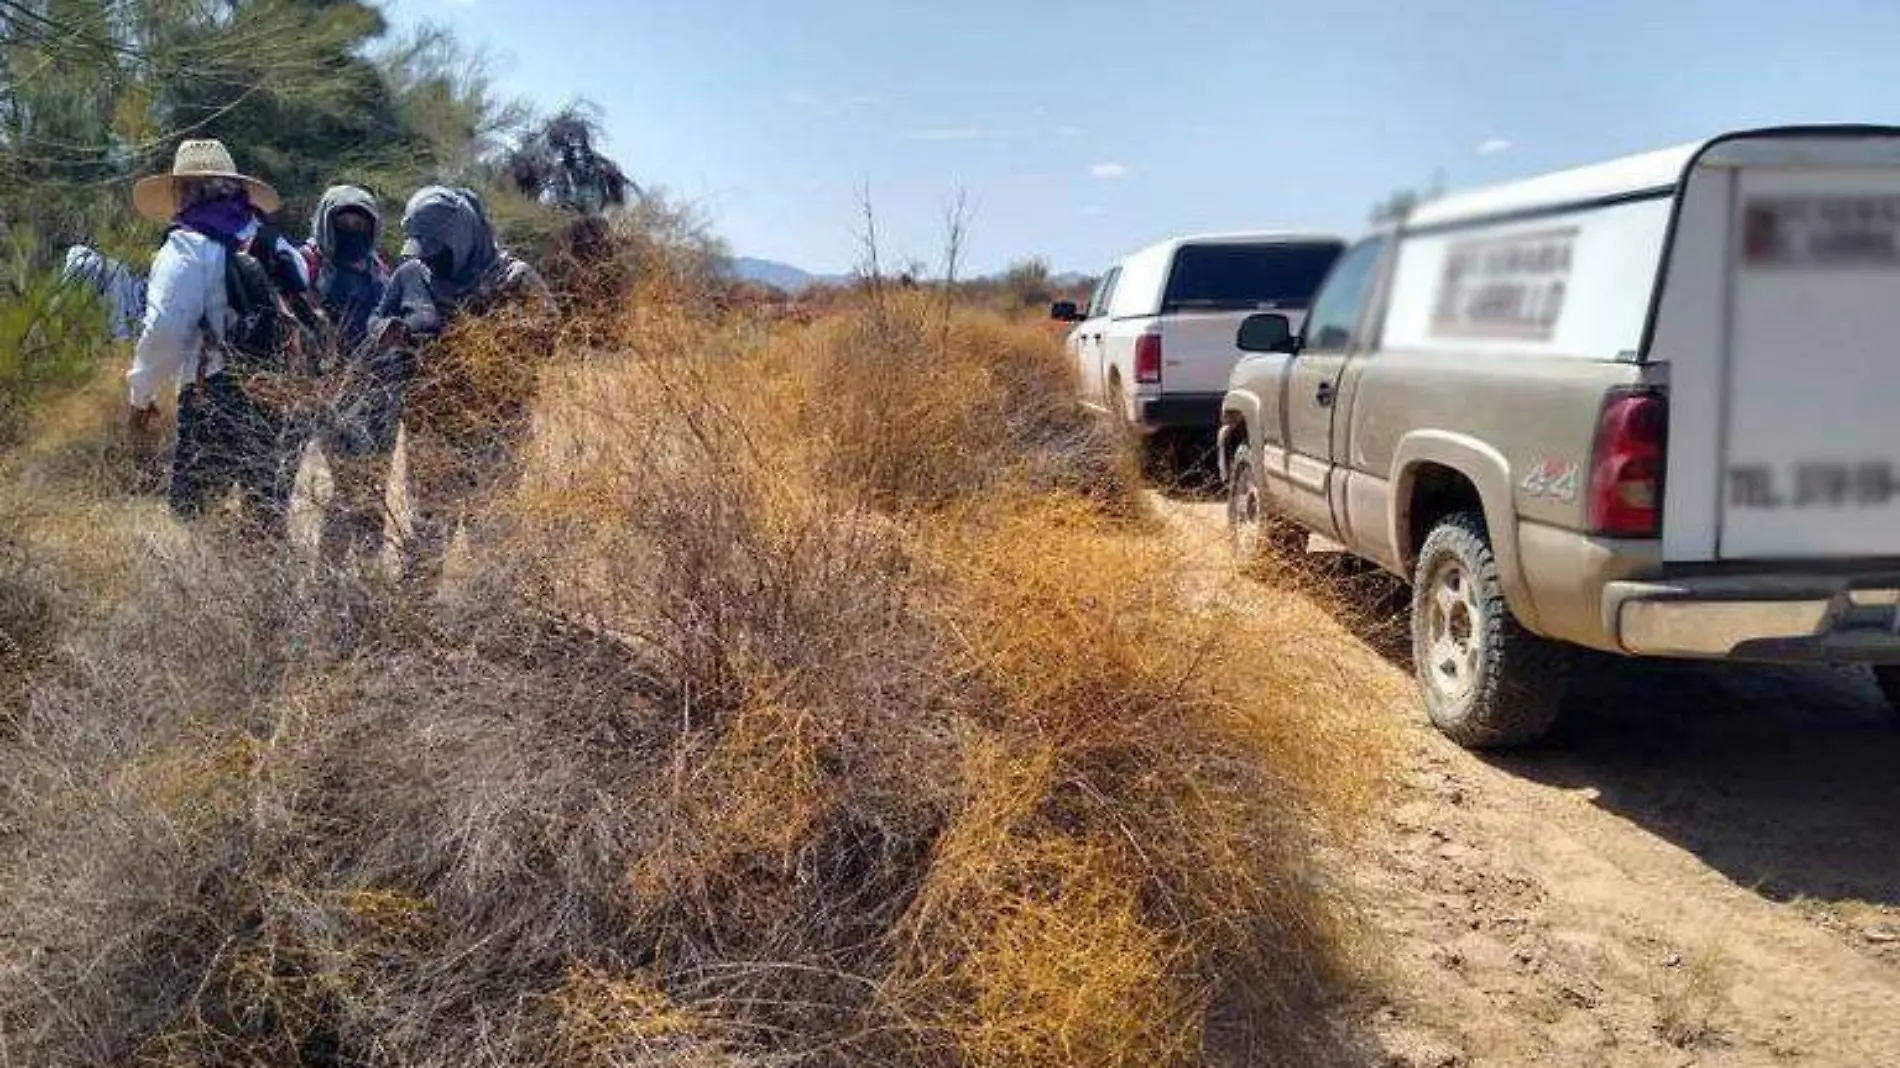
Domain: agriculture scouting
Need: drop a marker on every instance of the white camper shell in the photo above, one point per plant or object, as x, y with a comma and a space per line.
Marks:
1758, 273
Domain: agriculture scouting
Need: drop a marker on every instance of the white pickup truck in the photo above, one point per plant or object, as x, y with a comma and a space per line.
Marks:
1155, 345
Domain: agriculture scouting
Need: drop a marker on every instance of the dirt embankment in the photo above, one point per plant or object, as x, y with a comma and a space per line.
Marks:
1702, 870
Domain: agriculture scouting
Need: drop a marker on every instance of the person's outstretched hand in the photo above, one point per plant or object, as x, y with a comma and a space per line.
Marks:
144, 421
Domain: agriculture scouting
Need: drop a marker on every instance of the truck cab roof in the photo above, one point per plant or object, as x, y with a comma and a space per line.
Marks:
1143, 277
1629, 177
1238, 237
1643, 174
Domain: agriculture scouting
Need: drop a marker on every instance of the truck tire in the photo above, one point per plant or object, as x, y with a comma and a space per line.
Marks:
1115, 411
1115, 402
1487, 682
1252, 530
1887, 677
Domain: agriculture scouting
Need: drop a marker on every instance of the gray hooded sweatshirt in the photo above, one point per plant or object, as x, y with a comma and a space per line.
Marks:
349, 294
456, 265
335, 199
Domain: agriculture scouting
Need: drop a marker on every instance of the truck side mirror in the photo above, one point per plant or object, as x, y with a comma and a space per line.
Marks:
1267, 332
1065, 311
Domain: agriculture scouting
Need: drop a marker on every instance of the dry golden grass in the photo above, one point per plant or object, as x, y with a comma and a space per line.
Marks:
1691, 997
813, 695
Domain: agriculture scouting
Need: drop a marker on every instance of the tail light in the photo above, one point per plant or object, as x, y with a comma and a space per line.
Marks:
1148, 358
1626, 475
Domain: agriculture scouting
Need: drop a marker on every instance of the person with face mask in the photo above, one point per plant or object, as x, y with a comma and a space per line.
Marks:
347, 273
455, 265
461, 425
347, 281
213, 324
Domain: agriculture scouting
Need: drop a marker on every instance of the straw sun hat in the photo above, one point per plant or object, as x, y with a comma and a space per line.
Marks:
156, 197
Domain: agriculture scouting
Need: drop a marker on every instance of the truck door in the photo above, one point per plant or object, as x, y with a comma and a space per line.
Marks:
1312, 383
1087, 339
1810, 441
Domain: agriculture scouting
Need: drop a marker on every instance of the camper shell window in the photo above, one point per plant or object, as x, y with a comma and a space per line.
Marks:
1236, 277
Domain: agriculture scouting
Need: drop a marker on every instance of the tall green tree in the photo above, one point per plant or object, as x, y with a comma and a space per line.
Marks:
287, 86
444, 94
61, 73
93, 92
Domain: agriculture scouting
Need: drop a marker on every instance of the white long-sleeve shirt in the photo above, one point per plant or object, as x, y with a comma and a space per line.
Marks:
184, 296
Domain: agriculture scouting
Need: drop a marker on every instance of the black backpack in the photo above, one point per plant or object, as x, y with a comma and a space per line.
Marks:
258, 333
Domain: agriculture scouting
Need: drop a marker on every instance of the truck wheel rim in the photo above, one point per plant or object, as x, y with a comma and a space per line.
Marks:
1451, 631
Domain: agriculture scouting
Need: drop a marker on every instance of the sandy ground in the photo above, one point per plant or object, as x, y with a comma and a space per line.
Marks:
1703, 869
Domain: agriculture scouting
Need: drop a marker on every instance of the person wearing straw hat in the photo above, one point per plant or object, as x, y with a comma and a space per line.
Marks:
194, 336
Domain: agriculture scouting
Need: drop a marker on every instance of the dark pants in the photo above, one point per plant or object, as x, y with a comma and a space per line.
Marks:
460, 454
226, 440
358, 509
358, 445
450, 477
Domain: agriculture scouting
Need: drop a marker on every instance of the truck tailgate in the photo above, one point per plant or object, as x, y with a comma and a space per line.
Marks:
1811, 442
1198, 351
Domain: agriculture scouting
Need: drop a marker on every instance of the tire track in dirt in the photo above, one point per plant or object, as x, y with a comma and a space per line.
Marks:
1704, 869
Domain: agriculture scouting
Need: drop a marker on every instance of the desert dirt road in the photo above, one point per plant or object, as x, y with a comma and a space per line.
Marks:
1704, 869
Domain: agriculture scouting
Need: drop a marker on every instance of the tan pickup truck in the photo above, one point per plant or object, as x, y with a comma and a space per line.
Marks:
1649, 407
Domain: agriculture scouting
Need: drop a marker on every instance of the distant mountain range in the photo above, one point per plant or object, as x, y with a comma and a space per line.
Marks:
796, 279
782, 275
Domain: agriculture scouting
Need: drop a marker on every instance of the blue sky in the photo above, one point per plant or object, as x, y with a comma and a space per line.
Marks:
1080, 131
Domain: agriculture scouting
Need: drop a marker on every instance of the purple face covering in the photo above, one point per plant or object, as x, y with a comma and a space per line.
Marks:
222, 219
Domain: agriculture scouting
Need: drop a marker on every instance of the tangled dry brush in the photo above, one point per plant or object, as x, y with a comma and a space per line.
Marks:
816, 695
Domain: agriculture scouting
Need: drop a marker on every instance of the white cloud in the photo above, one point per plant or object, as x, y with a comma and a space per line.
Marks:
1493, 146
952, 133
1109, 170
1092, 210
1068, 131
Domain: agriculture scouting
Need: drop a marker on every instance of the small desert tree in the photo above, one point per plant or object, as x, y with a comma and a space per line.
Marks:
1028, 282
557, 164
1401, 203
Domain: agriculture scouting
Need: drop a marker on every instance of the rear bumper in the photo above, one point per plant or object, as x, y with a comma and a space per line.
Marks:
1179, 411
1846, 618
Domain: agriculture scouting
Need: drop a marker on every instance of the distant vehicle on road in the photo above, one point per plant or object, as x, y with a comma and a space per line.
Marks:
1645, 407
1155, 344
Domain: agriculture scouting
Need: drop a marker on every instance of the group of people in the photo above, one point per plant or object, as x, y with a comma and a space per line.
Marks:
272, 343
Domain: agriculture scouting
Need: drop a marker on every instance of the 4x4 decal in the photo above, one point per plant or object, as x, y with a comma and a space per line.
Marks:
1553, 479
